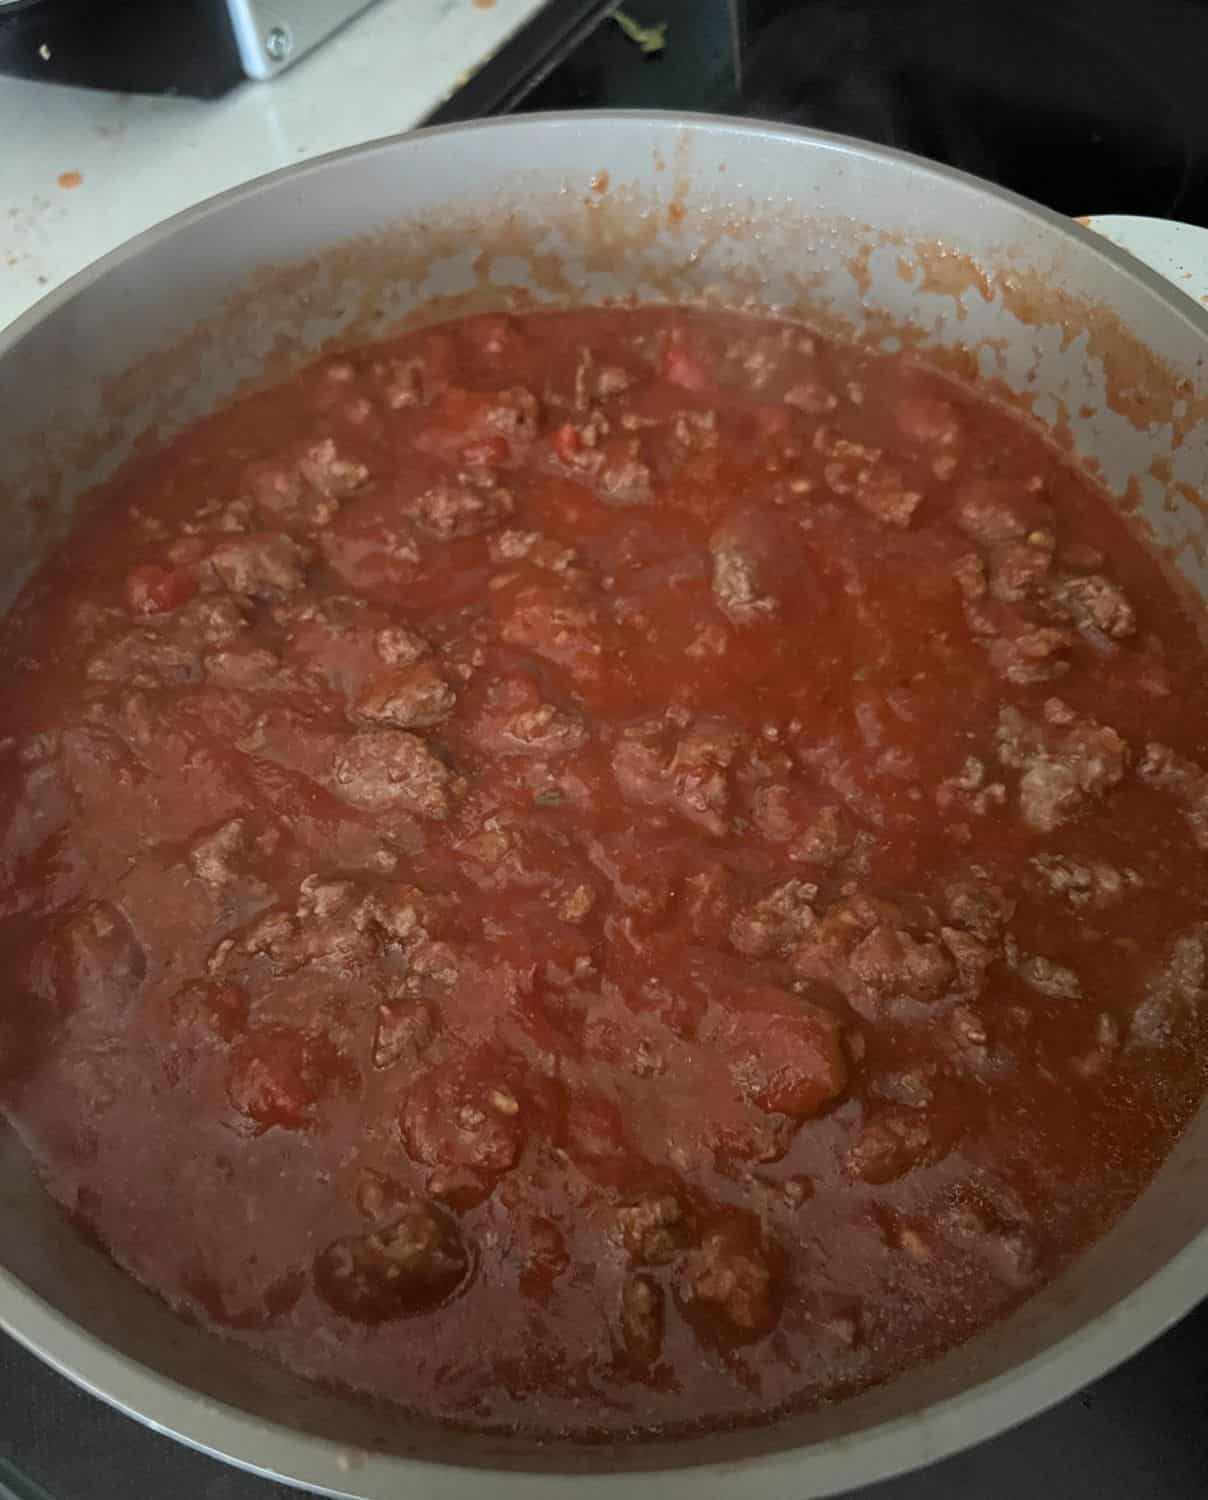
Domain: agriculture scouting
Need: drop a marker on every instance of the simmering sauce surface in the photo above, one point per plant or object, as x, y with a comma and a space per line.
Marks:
604, 870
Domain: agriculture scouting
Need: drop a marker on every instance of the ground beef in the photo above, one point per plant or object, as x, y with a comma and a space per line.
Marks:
264, 566
889, 961
692, 778
448, 511
736, 586
307, 487
1161, 767
729, 1285
1095, 885
415, 697
145, 659
654, 1229
407, 1266
642, 1318
890, 1145
777, 922
1095, 602
211, 857
1066, 762
515, 721
1176, 990
380, 769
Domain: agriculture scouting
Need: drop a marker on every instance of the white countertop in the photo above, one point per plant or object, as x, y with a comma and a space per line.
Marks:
82, 170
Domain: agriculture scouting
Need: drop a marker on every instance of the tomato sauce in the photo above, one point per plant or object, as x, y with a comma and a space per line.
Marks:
602, 871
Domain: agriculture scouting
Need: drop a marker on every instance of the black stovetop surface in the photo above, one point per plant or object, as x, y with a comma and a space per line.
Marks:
1139, 1434
1090, 106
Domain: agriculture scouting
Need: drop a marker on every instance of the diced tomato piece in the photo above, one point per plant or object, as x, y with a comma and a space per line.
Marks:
684, 369
151, 590
566, 442
278, 1075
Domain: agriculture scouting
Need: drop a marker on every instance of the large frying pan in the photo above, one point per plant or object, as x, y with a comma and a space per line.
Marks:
587, 207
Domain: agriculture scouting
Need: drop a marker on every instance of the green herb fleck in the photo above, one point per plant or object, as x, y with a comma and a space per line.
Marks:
650, 39
548, 796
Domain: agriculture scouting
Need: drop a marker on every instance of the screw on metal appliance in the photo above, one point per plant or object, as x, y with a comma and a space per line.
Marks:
278, 43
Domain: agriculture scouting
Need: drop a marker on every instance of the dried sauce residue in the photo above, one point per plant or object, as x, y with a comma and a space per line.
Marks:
70, 179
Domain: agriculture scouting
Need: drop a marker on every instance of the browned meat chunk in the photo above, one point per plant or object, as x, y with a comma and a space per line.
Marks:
862, 947
406, 383
595, 382
891, 1144
692, 780
1066, 762
1161, 767
382, 769
515, 721
211, 856
888, 961
727, 1287
398, 646
981, 907
327, 472
812, 398
816, 835
996, 512
410, 1265
311, 487
1019, 566
339, 924
560, 625
448, 511
218, 621
927, 419
1096, 603
736, 586
642, 1319
404, 1030
331, 925
462, 1118
777, 922
1176, 992
415, 697
625, 479
515, 413
531, 546
1095, 884
266, 565
969, 790
144, 659
694, 432
884, 496
1053, 980
1032, 654
654, 1229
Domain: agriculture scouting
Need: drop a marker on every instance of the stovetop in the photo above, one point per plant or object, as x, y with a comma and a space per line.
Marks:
1090, 106
1139, 1434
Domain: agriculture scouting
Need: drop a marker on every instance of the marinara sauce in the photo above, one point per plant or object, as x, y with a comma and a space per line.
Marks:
602, 871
